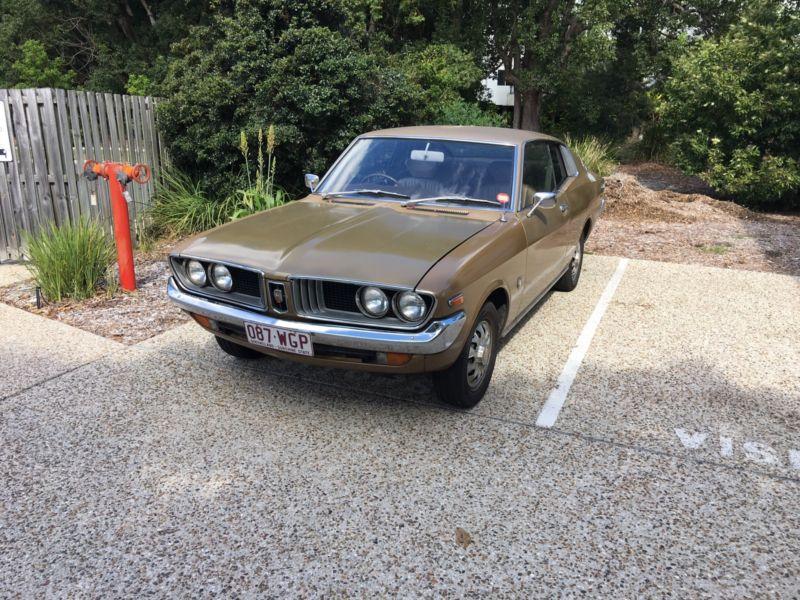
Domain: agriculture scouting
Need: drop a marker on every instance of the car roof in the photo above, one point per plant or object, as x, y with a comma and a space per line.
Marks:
497, 135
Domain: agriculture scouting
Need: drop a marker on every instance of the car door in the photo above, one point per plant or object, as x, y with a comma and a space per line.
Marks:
568, 202
546, 251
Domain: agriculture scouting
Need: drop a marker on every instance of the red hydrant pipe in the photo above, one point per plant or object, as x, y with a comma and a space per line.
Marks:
118, 176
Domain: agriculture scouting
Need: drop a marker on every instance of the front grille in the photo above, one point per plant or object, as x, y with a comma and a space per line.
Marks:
307, 294
335, 301
245, 282
340, 296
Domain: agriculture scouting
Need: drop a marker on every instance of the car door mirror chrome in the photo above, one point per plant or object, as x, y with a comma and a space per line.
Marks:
542, 200
312, 181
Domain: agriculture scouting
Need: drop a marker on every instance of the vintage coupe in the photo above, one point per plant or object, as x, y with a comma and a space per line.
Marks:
417, 252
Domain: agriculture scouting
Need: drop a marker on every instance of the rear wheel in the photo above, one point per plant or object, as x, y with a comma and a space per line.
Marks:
237, 350
569, 280
465, 382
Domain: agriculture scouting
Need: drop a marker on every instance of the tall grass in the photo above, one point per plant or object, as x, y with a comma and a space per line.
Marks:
181, 206
599, 156
70, 261
264, 194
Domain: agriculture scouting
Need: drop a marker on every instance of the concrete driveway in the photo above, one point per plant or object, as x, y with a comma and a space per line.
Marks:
669, 462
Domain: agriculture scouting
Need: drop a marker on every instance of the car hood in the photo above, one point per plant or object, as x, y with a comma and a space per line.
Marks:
378, 243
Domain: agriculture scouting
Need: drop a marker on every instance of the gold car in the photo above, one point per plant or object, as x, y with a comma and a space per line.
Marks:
417, 252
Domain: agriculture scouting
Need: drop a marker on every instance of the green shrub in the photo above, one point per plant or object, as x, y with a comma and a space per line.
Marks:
730, 112
182, 207
35, 69
598, 155
269, 61
461, 112
70, 261
243, 203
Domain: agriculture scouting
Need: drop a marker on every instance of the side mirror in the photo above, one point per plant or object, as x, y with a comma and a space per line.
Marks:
542, 200
312, 181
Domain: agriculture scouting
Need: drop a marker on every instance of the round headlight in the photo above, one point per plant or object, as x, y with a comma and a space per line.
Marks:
411, 306
374, 302
196, 273
221, 278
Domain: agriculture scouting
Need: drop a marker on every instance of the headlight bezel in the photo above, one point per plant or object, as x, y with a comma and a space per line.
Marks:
213, 277
361, 302
398, 297
187, 269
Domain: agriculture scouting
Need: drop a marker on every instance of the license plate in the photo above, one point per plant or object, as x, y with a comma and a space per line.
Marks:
276, 338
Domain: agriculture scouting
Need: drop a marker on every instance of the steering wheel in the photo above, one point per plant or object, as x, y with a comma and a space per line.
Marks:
384, 176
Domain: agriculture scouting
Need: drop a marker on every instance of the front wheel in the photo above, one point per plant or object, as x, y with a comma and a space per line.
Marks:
465, 382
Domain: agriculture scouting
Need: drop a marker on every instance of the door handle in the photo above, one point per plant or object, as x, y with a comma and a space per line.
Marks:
564, 208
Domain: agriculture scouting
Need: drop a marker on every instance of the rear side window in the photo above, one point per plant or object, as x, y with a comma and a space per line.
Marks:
558, 165
569, 161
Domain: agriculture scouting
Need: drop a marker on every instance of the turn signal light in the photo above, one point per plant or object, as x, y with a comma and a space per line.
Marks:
396, 359
202, 321
456, 300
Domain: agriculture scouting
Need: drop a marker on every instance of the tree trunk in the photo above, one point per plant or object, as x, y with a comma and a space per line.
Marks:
149, 12
517, 119
531, 106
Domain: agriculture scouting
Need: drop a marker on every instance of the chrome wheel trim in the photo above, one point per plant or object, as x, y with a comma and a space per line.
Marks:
577, 258
480, 354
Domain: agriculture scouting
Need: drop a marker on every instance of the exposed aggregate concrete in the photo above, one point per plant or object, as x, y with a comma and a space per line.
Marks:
169, 468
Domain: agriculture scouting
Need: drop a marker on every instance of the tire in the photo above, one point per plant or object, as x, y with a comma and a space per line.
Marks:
236, 350
460, 385
569, 280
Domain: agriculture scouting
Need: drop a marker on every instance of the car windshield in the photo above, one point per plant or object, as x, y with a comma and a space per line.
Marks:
426, 168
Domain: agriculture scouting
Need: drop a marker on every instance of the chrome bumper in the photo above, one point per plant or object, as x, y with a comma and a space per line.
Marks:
437, 337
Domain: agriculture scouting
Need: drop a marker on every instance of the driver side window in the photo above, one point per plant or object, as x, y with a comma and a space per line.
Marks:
538, 174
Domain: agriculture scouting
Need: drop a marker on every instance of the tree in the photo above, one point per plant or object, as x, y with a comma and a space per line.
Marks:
731, 109
35, 69
303, 66
536, 42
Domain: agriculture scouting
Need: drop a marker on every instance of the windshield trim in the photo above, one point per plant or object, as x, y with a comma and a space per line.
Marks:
510, 207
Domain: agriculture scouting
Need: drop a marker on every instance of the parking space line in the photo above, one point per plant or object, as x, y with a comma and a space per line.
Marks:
558, 395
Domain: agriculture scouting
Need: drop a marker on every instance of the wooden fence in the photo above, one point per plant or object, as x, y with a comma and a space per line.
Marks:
52, 132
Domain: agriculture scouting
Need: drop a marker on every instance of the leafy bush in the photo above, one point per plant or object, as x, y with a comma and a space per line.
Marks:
70, 261
598, 155
731, 110
290, 63
461, 112
181, 206
35, 69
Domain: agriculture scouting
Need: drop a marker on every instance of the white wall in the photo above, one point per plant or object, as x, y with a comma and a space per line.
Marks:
501, 95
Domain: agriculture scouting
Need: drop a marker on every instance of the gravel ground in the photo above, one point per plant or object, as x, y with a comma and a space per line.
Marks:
11, 274
125, 317
168, 468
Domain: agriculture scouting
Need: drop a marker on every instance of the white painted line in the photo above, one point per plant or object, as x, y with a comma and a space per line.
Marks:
558, 395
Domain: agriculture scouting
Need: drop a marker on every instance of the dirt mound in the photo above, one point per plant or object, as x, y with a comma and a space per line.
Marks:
658, 213
652, 192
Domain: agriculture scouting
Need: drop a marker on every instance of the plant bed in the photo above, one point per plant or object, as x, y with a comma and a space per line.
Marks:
127, 317
655, 212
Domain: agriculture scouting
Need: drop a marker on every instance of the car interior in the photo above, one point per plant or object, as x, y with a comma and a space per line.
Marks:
423, 169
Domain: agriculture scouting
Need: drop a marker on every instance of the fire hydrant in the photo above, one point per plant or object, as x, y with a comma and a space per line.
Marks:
119, 175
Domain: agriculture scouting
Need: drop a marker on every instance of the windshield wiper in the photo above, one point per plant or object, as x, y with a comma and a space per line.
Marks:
416, 201
385, 193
